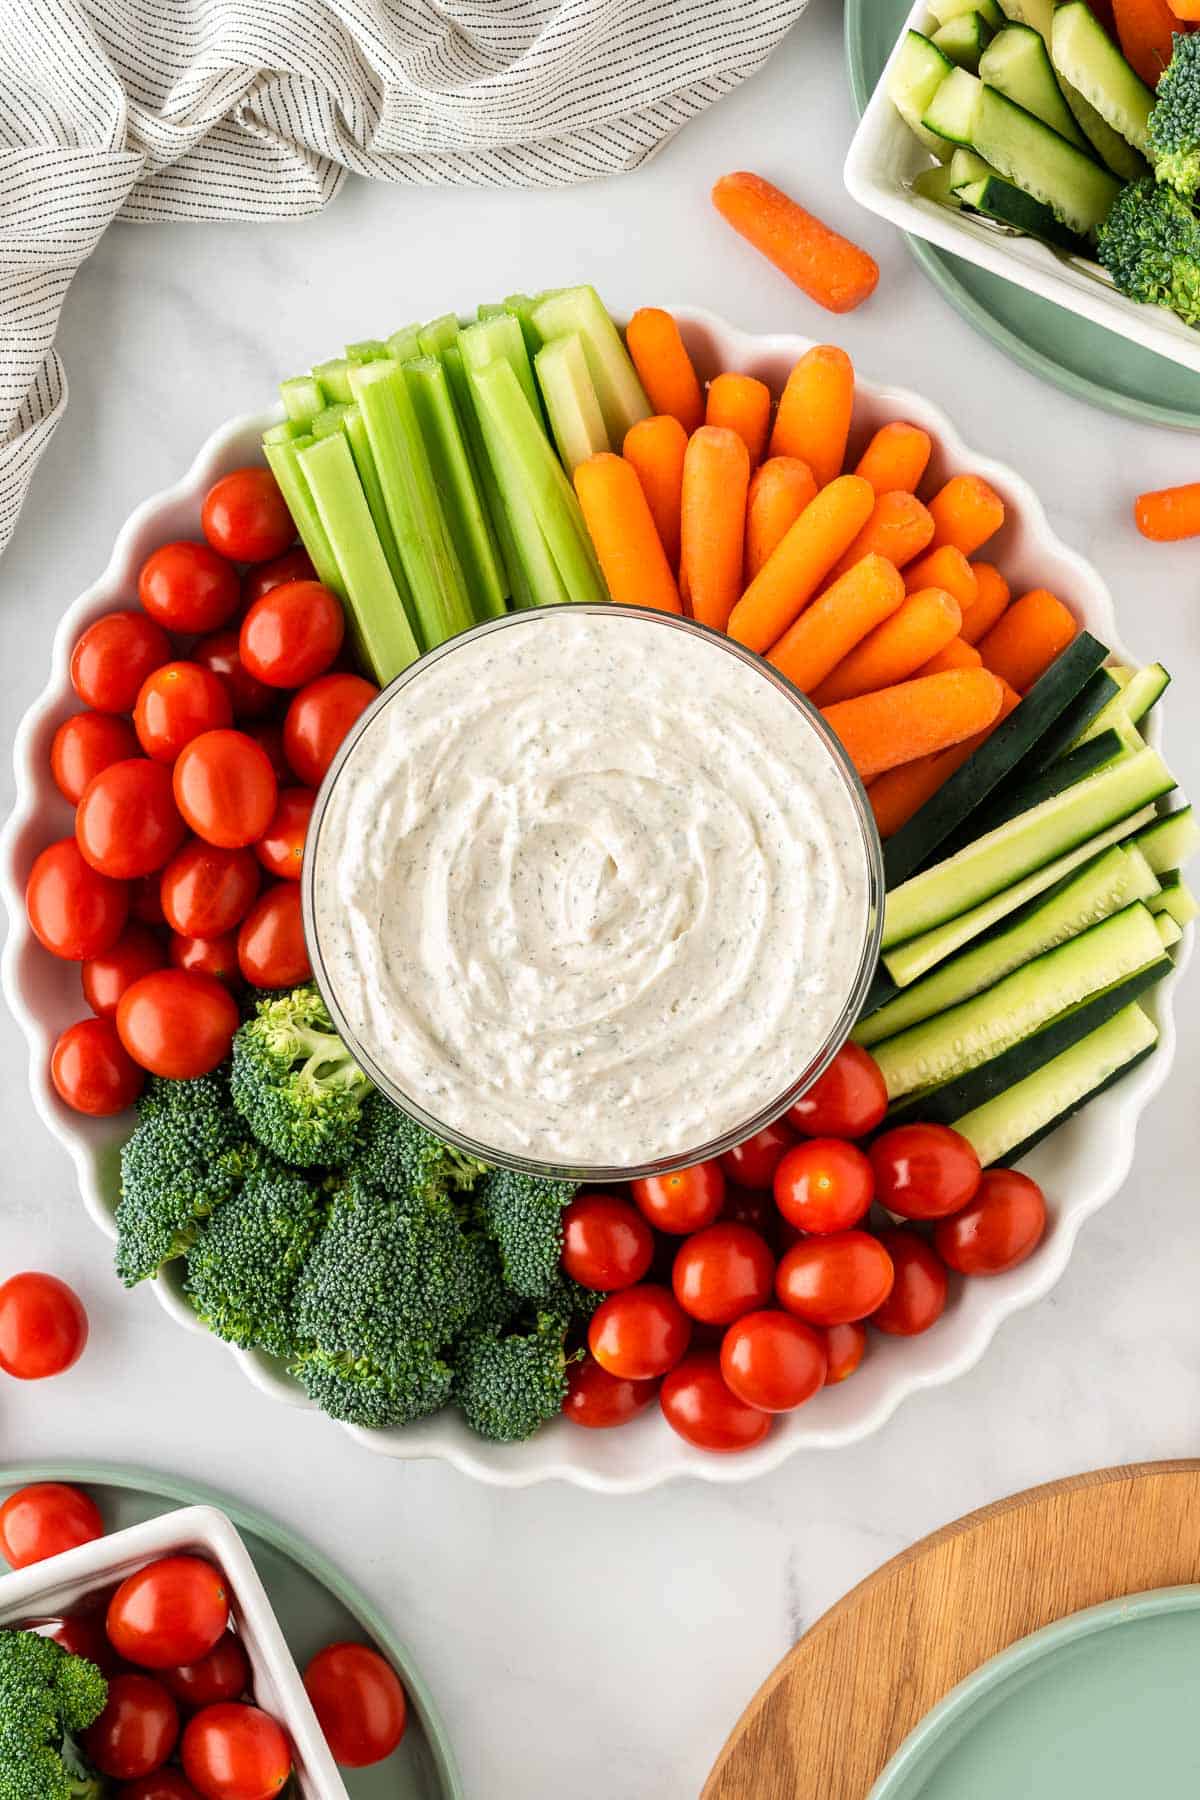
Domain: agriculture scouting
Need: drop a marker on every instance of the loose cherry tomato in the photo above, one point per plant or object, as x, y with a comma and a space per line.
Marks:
44, 1520
113, 658
245, 517
86, 743
271, 947
92, 1071
206, 891
722, 1272
705, 1412
773, 1361
173, 1611
189, 588
359, 1702
208, 956
685, 1200
163, 1784
145, 899
606, 1242
136, 1732
639, 1332
225, 788
127, 823
292, 634
924, 1171
105, 977
293, 565
177, 1023
175, 704
224, 1674
998, 1229
824, 1185
268, 735
318, 719
80, 1635
43, 1326
845, 1347
75, 912
219, 654
831, 1280
847, 1101
280, 849
753, 1207
918, 1296
598, 1401
753, 1162
233, 1752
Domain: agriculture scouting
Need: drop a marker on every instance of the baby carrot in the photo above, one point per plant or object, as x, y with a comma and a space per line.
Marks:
800, 562
716, 476
899, 528
966, 513
914, 718
1025, 641
948, 569
828, 267
899, 793
622, 530
896, 457
1169, 513
664, 366
957, 654
897, 649
813, 420
655, 447
991, 598
1144, 28
836, 621
741, 404
780, 489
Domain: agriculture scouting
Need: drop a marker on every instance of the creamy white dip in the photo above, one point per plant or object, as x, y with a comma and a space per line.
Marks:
590, 889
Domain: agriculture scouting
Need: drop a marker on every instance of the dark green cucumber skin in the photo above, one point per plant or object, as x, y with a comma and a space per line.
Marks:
1019, 1151
1020, 791
881, 990
1025, 214
917, 844
1074, 720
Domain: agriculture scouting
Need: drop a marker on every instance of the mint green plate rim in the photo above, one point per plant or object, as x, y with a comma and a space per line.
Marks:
937, 266
247, 1518
921, 1746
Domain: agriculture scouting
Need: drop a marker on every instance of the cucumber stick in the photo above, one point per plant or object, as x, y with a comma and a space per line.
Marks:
1091, 62
1175, 900
1131, 702
1037, 13
951, 112
1169, 929
1169, 842
964, 39
945, 10
1109, 145
916, 74
1017, 63
935, 184
1066, 179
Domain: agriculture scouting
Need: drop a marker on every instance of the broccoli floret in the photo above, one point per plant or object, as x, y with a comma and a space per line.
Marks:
294, 1081
243, 1267
46, 1695
524, 1215
489, 1301
397, 1156
362, 1392
508, 1385
183, 1161
1150, 245
1174, 128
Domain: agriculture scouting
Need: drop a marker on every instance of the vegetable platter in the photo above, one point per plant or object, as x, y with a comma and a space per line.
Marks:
1080, 1167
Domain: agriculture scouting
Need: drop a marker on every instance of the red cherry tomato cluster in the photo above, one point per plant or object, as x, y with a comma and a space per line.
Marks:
212, 714
738, 1289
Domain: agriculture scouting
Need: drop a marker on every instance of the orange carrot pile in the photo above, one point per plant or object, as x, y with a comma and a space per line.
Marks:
899, 793
813, 420
1145, 28
966, 513
623, 531
896, 458
947, 569
664, 366
991, 598
716, 476
800, 562
828, 267
955, 655
780, 490
914, 718
899, 528
837, 620
897, 649
656, 448
741, 404
1026, 638
1169, 514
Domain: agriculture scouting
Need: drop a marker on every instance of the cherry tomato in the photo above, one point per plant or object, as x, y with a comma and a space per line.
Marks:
219, 654
639, 1332
359, 1702
189, 588
606, 1242
145, 899
127, 823
80, 1635
136, 1732
105, 977
173, 1611
831, 1280
177, 1023
845, 1347
233, 1752
280, 849
92, 1071
685, 1200
206, 891
753, 1163
924, 1171
292, 634
293, 565
598, 1401
918, 1296
268, 736
224, 1674
75, 912
46, 1519
998, 1229
86, 743
698, 1405
176, 704
245, 517
162, 1784
773, 1361
225, 788
824, 1185
114, 656
208, 956
753, 1207
847, 1101
43, 1326
271, 947
318, 719
722, 1272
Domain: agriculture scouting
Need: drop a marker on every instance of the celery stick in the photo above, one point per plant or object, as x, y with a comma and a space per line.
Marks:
571, 403
435, 576
521, 308
366, 350
618, 389
334, 379
368, 474
500, 336
328, 421
455, 481
284, 432
435, 338
283, 460
302, 397
374, 611
490, 309
404, 344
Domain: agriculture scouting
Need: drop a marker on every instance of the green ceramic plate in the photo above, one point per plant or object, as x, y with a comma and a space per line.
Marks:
1089, 362
1101, 1705
313, 1601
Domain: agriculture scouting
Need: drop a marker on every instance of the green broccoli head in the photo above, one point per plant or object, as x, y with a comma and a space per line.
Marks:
182, 1162
397, 1156
1174, 128
294, 1081
523, 1213
1150, 245
508, 1385
46, 1695
377, 1396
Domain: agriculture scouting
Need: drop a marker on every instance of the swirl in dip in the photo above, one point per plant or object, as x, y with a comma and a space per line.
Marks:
590, 889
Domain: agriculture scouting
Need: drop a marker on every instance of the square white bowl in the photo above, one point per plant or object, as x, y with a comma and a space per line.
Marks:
885, 156
48, 1590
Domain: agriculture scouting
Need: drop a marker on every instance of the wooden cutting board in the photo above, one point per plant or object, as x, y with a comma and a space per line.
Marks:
827, 1721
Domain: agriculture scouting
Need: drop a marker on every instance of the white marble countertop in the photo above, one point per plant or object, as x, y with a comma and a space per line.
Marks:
578, 1644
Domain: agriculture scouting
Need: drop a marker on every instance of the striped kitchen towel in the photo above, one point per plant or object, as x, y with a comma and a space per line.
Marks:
250, 109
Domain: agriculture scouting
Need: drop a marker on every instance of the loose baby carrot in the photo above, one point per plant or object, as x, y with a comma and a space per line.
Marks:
914, 718
1145, 29
1025, 641
716, 476
897, 649
800, 562
966, 513
899, 528
991, 598
947, 569
813, 420
655, 447
622, 530
664, 366
896, 457
1169, 514
899, 793
957, 654
828, 267
780, 489
836, 621
741, 404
